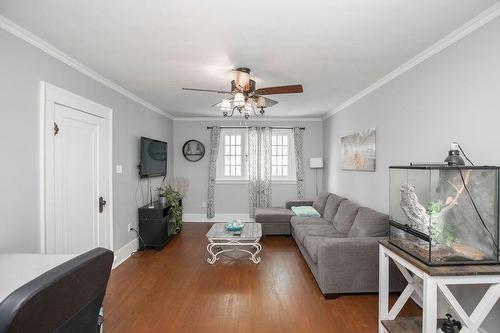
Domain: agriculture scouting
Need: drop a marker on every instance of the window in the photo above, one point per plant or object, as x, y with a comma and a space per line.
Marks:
231, 161
279, 156
283, 155
233, 156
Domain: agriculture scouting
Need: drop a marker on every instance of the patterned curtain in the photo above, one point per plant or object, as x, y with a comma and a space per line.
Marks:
212, 168
298, 138
259, 168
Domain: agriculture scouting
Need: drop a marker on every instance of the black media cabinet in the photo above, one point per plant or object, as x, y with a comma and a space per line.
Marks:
155, 227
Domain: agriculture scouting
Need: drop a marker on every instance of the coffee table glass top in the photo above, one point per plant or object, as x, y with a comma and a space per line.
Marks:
249, 231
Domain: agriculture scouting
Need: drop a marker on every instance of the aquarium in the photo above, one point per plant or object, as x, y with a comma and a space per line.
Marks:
445, 215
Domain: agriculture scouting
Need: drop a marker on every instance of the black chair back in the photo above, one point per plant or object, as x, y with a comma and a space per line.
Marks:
67, 298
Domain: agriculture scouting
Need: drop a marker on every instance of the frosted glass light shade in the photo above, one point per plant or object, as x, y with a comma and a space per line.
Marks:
316, 162
226, 105
239, 100
248, 107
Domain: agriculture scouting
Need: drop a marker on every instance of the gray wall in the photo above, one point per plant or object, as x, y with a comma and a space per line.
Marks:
22, 67
233, 198
454, 96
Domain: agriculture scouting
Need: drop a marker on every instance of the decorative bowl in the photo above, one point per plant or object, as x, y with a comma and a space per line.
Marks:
234, 225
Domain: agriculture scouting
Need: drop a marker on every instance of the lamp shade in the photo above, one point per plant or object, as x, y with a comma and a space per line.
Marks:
239, 100
226, 105
316, 162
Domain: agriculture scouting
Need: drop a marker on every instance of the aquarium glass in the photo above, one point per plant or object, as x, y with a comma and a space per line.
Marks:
445, 215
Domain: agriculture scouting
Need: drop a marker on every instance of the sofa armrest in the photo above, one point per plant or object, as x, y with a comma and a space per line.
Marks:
348, 265
296, 203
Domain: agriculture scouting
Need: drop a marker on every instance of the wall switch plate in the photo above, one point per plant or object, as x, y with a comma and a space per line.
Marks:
119, 168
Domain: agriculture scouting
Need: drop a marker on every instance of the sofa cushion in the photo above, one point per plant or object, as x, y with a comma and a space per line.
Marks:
345, 216
298, 220
320, 202
369, 223
332, 206
273, 215
301, 231
312, 244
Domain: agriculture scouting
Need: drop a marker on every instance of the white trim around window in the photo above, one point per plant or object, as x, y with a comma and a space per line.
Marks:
225, 147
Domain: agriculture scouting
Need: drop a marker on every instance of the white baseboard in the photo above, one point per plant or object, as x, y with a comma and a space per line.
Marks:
218, 218
124, 252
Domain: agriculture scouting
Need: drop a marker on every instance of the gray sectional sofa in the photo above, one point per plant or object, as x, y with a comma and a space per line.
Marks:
340, 247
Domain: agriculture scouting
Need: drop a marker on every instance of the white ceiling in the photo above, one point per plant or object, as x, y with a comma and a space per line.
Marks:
335, 48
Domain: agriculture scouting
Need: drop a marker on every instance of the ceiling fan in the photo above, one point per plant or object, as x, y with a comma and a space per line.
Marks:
245, 98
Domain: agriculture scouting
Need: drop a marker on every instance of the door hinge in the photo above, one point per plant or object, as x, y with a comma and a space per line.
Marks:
56, 128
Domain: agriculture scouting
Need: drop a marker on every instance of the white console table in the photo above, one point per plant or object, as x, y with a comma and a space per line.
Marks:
426, 281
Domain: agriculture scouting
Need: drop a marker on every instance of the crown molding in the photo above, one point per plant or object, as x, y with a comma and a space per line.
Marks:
41, 44
247, 120
477, 22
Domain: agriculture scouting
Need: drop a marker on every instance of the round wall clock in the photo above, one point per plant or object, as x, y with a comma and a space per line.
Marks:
193, 150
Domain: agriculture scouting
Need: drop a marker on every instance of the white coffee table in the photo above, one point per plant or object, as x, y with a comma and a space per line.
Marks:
225, 241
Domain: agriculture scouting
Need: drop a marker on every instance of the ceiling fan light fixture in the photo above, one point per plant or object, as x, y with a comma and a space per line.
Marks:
261, 102
239, 100
248, 107
242, 78
226, 105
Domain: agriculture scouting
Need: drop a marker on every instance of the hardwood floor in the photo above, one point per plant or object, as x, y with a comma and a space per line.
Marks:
176, 290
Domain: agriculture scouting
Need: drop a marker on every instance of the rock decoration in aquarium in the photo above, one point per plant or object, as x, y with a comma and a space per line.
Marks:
415, 212
458, 218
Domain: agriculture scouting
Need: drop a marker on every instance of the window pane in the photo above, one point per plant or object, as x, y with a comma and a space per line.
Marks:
238, 150
279, 171
273, 168
285, 171
279, 141
238, 171
227, 160
285, 140
226, 170
273, 140
285, 150
238, 139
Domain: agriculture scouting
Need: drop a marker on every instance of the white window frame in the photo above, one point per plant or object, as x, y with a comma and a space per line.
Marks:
220, 176
292, 175
223, 179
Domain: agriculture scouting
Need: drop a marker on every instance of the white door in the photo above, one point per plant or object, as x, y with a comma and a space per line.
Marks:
78, 171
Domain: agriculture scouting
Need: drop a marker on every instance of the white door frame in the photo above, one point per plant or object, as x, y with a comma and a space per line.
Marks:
50, 96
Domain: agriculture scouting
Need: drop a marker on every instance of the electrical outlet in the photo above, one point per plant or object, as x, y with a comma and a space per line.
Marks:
129, 228
203, 204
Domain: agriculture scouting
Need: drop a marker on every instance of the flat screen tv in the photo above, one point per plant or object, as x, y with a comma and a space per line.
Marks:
153, 158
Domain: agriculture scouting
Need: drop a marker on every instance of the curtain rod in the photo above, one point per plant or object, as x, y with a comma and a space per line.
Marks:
271, 127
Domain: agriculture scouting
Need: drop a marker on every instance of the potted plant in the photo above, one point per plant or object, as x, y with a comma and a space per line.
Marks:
174, 193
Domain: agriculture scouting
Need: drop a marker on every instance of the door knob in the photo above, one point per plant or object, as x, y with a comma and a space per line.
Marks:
102, 203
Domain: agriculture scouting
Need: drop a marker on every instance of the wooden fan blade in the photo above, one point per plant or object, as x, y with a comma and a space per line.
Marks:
261, 101
293, 89
208, 90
